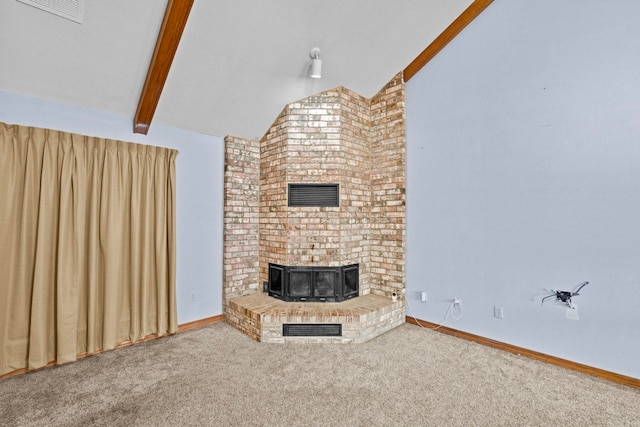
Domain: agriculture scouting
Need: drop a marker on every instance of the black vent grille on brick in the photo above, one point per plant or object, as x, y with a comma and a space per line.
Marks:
317, 195
311, 330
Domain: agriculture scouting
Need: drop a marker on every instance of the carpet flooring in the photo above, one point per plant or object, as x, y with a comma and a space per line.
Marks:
216, 376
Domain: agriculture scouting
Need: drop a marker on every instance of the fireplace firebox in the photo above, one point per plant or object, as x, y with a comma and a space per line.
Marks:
313, 284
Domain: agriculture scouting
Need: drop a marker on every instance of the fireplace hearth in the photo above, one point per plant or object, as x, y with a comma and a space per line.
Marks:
314, 227
313, 284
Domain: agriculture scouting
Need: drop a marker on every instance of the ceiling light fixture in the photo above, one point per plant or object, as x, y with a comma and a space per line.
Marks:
316, 63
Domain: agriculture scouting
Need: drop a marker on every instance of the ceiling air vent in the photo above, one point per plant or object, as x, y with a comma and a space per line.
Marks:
317, 195
70, 9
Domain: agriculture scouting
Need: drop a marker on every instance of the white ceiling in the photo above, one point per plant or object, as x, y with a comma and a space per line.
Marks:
238, 64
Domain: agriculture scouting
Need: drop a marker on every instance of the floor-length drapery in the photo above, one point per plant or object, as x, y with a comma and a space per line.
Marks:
87, 245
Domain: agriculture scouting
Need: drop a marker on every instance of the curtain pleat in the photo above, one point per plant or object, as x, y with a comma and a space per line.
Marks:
88, 254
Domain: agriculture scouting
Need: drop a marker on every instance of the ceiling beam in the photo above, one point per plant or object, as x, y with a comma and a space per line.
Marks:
175, 19
447, 35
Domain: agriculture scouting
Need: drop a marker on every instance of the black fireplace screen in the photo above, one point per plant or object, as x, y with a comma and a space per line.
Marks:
324, 284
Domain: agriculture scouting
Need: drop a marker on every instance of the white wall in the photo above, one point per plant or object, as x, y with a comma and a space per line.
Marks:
199, 191
524, 175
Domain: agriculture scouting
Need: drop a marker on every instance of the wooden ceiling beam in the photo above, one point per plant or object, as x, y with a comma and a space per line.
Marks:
447, 35
175, 19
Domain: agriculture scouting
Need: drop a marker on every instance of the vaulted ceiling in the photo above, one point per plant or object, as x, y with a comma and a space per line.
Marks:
239, 62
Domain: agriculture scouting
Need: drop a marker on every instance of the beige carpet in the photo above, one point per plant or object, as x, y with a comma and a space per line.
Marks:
216, 376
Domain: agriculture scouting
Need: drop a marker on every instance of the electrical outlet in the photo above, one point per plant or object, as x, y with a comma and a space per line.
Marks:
423, 296
193, 296
498, 312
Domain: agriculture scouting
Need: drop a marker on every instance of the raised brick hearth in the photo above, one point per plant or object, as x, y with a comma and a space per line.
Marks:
261, 317
335, 137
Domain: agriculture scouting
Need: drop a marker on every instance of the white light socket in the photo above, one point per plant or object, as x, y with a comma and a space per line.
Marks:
423, 296
316, 63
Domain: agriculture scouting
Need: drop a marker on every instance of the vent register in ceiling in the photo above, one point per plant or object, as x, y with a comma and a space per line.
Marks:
69, 9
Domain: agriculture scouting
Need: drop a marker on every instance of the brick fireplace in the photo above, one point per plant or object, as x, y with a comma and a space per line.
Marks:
336, 137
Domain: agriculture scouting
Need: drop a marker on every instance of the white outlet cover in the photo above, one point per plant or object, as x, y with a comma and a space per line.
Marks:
572, 313
498, 312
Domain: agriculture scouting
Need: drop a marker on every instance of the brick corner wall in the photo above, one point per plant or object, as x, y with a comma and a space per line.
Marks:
241, 211
388, 188
336, 136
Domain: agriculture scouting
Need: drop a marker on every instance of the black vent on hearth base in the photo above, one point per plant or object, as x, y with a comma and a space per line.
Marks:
311, 330
313, 284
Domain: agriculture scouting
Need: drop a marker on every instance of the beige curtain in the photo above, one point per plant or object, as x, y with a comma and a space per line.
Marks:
87, 245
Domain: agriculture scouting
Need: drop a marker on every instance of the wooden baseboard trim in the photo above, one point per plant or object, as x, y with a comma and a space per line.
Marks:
200, 323
531, 354
181, 328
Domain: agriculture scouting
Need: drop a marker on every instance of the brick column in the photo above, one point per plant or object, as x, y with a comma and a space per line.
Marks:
388, 188
241, 202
